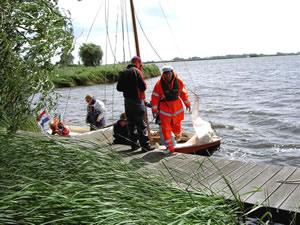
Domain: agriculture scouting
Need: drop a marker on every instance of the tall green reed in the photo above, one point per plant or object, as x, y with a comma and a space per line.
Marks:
47, 180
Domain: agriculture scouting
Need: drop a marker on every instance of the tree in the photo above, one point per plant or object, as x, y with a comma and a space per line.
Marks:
90, 54
66, 59
31, 34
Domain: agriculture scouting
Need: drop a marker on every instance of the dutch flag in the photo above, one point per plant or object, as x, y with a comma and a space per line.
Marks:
43, 118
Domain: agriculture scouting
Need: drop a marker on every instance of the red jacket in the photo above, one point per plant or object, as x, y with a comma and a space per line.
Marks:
170, 109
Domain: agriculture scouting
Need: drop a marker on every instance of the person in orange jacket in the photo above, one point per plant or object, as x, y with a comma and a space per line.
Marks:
166, 103
59, 128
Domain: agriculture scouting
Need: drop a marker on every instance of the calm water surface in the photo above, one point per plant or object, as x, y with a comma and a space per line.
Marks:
253, 103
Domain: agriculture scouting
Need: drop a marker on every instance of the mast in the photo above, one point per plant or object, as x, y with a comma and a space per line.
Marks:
137, 47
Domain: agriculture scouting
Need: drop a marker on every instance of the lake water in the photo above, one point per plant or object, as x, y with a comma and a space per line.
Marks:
253, 103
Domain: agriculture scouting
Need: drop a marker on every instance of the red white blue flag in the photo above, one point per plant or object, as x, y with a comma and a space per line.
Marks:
43, 118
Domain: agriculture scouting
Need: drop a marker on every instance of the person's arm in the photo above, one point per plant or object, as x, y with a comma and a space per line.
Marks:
142, 86
184, 96
101, 108
155, 98
120, 84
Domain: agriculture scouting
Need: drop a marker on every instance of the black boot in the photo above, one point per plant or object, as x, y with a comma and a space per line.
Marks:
147, 148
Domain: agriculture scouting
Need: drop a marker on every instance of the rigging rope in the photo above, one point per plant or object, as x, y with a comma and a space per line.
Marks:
147, 37
94, 21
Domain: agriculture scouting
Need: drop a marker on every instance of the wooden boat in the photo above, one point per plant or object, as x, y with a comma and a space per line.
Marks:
186, 145
104, 135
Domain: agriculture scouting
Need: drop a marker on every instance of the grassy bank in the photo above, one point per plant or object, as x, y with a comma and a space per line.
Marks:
72, 76
50, 181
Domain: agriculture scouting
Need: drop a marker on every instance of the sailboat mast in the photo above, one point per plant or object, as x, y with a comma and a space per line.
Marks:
137, 47
135, 30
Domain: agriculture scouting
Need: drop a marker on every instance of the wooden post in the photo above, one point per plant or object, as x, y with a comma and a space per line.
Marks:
139, 55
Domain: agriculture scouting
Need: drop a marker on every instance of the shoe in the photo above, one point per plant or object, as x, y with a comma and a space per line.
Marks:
169, 152
134, 147
147, 148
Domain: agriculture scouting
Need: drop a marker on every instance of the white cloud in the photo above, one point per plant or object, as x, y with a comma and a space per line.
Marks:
197, 27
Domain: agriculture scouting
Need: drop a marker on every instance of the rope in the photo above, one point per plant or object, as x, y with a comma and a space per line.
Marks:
66, 105
297, 181
127, 30
122, 22
94, 21
147, 37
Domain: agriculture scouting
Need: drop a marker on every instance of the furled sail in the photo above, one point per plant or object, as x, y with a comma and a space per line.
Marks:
203, 130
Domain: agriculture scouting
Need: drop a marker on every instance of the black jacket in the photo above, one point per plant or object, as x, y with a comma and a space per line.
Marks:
131, 82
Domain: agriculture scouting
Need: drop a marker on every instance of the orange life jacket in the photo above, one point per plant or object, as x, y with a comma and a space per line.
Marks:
60, 128
171, 109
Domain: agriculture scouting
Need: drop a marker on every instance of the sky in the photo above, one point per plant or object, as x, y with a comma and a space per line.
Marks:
185, 28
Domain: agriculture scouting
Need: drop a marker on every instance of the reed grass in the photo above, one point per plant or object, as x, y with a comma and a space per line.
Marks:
71, 76
49, 181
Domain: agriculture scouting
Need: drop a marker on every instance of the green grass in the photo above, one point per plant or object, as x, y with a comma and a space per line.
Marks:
59, 181
81, 75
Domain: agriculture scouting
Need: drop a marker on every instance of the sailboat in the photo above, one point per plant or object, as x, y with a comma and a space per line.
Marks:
203, 142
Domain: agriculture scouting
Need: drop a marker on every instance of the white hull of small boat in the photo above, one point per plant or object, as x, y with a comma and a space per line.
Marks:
104, 135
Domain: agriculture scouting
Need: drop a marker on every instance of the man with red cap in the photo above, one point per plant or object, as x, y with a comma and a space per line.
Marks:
166, 103
131, 82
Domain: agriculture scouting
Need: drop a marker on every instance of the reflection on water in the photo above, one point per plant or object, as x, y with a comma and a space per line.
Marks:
253, 103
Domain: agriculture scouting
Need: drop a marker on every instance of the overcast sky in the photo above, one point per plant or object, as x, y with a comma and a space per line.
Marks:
200, 28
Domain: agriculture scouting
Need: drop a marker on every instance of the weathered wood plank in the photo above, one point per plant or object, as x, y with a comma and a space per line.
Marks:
292, 203
244, 180
218, 175
270, 186
258, 182
283, 192
189, 171
234, 175
193, 172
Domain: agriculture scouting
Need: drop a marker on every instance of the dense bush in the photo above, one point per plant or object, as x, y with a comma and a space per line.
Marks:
31, 34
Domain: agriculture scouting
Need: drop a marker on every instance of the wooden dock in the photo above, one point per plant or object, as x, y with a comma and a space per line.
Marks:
256, 183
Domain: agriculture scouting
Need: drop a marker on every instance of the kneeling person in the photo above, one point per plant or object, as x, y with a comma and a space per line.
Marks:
95, 112
121, 131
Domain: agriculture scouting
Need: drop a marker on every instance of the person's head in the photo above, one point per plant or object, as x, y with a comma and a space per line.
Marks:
123, 116
89, 98
137, 62
52, 125
168, 73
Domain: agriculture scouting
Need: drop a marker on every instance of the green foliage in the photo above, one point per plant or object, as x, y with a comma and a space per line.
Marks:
66, 59
90, 54
32, 32
80, 75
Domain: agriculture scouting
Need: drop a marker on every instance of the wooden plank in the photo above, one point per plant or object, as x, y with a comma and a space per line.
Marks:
190, 171
283, 192
292, 203
193, 172
259, 181
244, 180
170, 166
211, 179
232, 176
269, 187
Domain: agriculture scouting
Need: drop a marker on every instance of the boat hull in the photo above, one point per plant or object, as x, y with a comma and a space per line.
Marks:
201, 149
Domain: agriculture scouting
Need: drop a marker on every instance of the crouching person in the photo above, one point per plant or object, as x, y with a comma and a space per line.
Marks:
95, 112
121, 135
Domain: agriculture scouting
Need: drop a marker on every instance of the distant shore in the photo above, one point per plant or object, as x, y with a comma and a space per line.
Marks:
78, 75
232, 56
